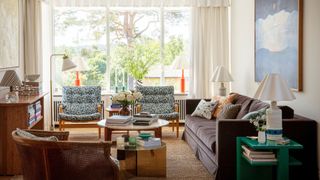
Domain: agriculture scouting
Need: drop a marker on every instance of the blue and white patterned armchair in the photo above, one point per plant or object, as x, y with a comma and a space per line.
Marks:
80, 104
159, 100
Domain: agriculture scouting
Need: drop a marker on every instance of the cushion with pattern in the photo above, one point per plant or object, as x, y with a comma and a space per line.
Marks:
204, 109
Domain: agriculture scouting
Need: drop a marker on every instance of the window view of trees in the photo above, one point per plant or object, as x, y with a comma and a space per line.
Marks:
121, 45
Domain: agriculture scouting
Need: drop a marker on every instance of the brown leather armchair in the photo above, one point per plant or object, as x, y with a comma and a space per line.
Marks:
63, 159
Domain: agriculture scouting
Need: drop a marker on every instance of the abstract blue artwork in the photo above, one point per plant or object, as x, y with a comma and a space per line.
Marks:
278, 40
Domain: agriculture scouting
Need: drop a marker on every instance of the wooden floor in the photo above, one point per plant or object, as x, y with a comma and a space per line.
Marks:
181, 161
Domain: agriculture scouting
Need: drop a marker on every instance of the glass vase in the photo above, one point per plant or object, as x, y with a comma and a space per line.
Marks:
261, 136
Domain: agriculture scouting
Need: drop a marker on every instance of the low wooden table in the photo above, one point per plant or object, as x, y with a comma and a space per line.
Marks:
141, 161
156, 127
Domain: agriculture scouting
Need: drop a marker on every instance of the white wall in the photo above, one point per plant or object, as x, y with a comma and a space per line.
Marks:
242, 57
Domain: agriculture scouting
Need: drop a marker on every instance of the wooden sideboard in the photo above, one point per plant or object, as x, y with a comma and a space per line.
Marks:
12, 116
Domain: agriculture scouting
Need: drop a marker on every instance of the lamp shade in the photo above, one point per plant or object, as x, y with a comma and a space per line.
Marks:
274, 88
221, 74
67, 64
181, 62
81, 64
10, 78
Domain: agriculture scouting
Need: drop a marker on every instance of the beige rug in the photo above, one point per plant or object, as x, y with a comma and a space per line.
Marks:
181, 162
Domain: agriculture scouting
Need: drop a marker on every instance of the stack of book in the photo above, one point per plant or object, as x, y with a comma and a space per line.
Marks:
38, 110
32, 115
144, 119
118, 120
258, 156
150, 142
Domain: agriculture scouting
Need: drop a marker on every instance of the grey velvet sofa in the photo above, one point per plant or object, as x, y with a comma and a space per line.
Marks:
214, 141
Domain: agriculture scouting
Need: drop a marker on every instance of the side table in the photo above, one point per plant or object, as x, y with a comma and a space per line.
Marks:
263, 170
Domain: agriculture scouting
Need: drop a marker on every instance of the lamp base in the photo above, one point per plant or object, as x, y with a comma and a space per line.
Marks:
274, 122
222, 90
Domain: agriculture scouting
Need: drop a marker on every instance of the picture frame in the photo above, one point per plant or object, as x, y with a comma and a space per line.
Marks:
278, 40
9, 34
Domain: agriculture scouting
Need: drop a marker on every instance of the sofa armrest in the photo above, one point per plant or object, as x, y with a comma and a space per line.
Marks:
300, 129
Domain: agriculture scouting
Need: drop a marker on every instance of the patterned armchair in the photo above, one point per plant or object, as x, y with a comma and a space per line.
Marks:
160, 100
80, 104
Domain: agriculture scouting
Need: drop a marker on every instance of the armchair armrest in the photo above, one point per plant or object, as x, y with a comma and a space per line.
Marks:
176, 107
99, 106
60, 108
61, 135
138, 108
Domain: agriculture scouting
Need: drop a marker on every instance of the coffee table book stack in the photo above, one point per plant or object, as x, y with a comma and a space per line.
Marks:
144, 118
117, 120
254, 156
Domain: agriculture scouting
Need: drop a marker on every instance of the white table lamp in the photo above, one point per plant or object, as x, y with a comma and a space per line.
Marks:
181, 62
81, 66
67, 64
221, 75
273, 88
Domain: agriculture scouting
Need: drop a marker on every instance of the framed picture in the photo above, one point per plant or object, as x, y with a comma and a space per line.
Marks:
9, 34
278, 40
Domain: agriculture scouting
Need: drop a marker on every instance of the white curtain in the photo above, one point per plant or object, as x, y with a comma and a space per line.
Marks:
32, 45
210, 48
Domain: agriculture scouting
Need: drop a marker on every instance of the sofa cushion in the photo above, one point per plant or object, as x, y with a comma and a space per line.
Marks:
222, 101
205, 130
245, 102
257, 104
229, 111
28, 135
208, 136
204, 109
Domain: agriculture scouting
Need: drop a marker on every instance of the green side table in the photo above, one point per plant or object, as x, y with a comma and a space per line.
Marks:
263, 170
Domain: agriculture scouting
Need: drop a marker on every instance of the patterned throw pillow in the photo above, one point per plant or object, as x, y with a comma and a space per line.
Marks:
222, 101
204, 109
26, 134
229, 111
254, 114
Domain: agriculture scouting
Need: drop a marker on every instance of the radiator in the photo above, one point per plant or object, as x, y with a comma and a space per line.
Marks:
181, 102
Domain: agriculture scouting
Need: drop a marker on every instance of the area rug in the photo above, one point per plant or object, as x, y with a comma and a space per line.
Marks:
181, 161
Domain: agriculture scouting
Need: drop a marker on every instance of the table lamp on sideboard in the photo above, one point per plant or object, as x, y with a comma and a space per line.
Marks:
273, 88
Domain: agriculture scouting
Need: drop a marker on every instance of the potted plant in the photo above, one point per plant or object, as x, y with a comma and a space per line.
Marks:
259, 121
126, 99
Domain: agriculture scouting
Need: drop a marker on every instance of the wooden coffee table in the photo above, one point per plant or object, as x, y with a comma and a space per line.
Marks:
156, 127
142, 161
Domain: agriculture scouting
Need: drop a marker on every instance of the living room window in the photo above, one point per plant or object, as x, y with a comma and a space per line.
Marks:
121, 44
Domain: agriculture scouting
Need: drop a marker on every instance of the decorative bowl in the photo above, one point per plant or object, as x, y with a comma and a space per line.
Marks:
32, 77
144, 135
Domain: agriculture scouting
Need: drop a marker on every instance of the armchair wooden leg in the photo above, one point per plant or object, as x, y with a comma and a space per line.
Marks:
99, 131
177, 124
60, 124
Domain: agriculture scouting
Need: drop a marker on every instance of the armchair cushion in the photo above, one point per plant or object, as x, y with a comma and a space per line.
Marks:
79, 108
83, 117
80, 103
28, 135
157, 99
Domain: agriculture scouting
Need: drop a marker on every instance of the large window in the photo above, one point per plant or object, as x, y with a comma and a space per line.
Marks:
121, 45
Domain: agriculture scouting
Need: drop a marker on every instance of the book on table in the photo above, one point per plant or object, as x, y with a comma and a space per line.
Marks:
118, 120
258, 155
251, 159
144, 118
150, 142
